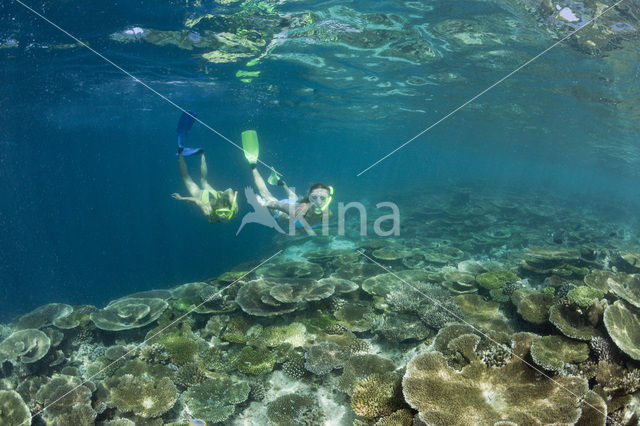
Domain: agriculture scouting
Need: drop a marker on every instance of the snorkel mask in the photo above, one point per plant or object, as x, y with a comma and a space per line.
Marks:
227, 213
320, 200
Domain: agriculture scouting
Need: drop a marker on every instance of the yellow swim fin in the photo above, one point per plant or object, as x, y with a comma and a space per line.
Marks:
250, 146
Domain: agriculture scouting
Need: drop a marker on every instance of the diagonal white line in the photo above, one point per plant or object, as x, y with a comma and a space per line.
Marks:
137, 80
459, 318
28, 422
488, 88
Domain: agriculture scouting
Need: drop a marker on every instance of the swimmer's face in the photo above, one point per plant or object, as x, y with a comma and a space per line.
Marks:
319, 197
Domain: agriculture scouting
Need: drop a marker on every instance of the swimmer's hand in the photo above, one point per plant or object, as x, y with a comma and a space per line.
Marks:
261, 201
177, 196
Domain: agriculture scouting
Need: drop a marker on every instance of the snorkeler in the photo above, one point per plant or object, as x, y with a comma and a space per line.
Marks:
217, 206
307, 212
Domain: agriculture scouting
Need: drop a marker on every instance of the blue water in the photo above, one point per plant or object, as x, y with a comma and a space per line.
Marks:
87, 158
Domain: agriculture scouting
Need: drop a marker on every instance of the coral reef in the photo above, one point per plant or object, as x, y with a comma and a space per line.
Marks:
13, 410
66, 399
323, 357
128, 313
254, 298
43, 316
181, 349
481, 395
555, 352
532, 305
276, 346
255, 361
189, 374
294, 367
572, 323
300, 290
626, 287
271, 336
155, 353
214, 400
281, 270
293, 409
141, 395
25, 346
584, 296
376, 395
623, 327
430, 303
496, 279
360, 366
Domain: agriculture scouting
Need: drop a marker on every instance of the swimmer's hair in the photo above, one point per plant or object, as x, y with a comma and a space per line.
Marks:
311, 188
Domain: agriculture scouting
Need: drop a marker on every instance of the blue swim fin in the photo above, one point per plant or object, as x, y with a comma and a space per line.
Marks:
184, 125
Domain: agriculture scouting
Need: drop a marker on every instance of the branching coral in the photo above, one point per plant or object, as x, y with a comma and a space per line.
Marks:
294, 367
376, 395
154, 354
360, 366
189, 374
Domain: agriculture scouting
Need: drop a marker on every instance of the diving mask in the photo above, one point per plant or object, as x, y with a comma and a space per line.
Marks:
321, 198
228, 212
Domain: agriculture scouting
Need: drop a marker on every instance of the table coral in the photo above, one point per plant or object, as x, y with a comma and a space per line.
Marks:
624, 328
555, 352
128, 313
481, 395
26, 346
214, 400
13, 410
142, 395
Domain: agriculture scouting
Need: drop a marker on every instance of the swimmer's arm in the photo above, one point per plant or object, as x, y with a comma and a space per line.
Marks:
191, 199
181, 198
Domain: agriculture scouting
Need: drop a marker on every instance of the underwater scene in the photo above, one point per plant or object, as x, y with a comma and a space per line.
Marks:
320, 212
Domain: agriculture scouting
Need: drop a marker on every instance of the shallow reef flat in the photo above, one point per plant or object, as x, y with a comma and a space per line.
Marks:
489, 308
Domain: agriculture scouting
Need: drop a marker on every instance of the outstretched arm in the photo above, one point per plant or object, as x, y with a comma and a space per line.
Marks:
181, 198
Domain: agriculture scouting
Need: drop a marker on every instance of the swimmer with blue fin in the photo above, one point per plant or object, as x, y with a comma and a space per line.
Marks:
307, 212
217, 206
